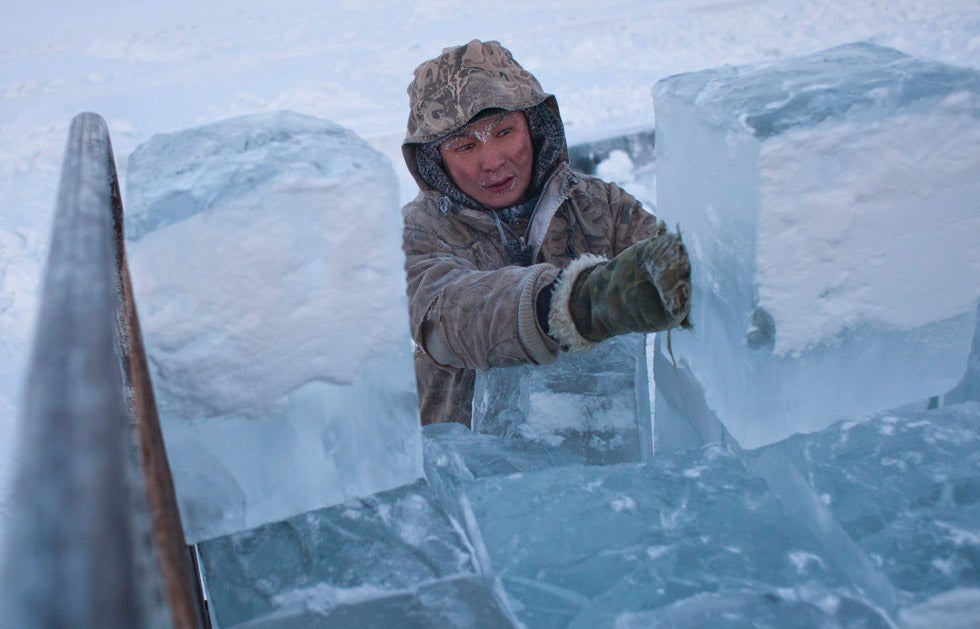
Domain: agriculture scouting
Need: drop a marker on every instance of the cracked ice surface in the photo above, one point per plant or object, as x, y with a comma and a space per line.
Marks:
690, 537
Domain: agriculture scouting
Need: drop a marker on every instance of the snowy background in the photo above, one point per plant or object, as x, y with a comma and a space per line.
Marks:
152, 68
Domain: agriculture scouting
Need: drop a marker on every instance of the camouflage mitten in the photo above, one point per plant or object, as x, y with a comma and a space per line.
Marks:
646, 288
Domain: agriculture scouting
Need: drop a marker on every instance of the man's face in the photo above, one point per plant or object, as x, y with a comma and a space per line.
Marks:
491, 160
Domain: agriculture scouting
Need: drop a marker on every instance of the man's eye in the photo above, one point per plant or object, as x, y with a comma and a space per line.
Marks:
462, 147
505, 131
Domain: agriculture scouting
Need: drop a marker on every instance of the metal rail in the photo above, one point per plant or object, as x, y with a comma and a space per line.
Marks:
94, 537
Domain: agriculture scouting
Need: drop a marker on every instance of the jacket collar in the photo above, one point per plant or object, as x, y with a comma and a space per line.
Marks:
556, 190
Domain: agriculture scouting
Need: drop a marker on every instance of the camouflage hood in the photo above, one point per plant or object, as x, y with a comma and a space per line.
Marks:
451, 90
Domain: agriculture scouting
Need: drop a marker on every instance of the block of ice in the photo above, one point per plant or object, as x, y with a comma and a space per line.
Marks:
905, 485
454, 455
694, 537
830, 203
267, 265
453, 602
689, 526
968, 388
748, 607
395, 555
595, 403
490, 455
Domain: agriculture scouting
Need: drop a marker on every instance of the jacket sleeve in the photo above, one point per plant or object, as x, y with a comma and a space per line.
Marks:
464, 317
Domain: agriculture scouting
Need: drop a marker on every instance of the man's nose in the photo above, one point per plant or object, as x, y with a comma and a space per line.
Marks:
491, 157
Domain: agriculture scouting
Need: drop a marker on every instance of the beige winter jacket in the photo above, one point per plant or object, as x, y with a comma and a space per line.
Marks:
470, 306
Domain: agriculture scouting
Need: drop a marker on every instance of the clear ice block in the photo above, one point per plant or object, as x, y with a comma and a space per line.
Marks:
596, 404
587, 546
395, 554
905, 485
830, 204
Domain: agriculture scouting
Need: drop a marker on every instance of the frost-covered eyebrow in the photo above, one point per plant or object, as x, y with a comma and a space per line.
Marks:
478, 129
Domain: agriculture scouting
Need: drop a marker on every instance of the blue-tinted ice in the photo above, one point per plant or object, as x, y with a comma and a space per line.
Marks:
395, 555
275, 324
867, 522
906, 487
596, 403
830, 203
690, 536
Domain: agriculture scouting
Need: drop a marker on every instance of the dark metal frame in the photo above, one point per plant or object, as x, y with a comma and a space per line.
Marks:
94, 535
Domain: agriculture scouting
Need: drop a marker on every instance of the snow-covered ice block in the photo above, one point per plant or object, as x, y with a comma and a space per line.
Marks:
831, 203
268, 271
595, 403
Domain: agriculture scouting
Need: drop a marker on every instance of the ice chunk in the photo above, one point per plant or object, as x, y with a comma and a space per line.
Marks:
489, 455
958, 609
394, 555
830, 205
969, 387
810, 512
453, 602
595, 404
454, 455
651, 536
267, 265
905, 485
755, 608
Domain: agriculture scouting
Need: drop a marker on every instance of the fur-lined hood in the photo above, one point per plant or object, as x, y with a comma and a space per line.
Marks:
452, 89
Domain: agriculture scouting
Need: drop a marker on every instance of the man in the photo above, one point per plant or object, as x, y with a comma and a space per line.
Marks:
510, 256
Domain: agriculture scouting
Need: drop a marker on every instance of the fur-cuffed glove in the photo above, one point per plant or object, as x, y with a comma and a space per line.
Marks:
646, 288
